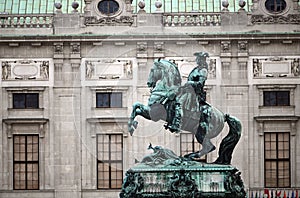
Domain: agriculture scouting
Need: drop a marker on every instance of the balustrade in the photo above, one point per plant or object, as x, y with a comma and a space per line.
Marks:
26, 21
192, 19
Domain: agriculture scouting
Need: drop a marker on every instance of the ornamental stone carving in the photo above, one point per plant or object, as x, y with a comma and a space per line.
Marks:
25, 69
108, 69
262, 19
75, 48
109, 21
295, 67
276, 67
243, 46
58, 48
225, 47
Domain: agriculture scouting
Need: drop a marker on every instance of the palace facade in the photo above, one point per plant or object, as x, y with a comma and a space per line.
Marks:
71, 71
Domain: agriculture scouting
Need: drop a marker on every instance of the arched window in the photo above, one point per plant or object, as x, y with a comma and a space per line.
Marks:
275, 6
108, 7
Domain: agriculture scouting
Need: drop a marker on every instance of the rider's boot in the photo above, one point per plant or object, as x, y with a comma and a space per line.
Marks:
176, 122
204, 122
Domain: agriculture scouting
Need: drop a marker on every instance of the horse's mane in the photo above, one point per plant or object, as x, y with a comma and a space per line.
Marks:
170, 69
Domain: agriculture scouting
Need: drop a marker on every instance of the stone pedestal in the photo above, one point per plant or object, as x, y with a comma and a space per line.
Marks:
163, 174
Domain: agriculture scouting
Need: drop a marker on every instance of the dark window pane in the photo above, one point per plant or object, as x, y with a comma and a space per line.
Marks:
116, 100
18, 101
283, 98
102, 100
108, 7
108, 100
32, 100
25, 100
275, 5
276, 98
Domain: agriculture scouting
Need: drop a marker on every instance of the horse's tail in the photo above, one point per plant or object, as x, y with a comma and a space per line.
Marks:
230, 141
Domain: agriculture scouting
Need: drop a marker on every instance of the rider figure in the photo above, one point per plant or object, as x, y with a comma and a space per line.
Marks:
197, 80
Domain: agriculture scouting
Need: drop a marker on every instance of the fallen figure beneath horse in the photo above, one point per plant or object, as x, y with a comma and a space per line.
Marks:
184, 108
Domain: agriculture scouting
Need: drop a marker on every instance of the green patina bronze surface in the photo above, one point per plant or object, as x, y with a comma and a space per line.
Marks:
163, 174
184, 107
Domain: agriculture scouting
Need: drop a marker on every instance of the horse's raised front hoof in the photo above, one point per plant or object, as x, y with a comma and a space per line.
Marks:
131, 130
135, 124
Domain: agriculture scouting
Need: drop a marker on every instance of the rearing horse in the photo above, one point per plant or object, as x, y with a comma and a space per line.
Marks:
165, 81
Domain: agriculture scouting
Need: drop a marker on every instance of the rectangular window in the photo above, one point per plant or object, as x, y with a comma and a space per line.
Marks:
276, 98
109, 161
25, 100
26, 162
277, 160
189, 144
108, 100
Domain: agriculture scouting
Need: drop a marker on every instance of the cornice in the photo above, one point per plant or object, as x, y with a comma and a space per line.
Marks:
218, 36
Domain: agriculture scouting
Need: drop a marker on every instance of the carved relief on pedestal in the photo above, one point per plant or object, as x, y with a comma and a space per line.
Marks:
276, 67
108, 69
25, 69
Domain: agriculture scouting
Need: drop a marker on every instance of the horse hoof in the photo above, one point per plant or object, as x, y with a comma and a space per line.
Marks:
190, 155
131, 130
135, 124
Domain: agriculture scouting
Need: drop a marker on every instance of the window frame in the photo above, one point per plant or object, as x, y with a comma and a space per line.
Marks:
107, 5
26, 162
109, 162
277, 160
277, 98
26, 104
110, 94
268, 3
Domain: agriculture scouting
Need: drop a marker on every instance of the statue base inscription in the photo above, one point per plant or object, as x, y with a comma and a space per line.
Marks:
164, 174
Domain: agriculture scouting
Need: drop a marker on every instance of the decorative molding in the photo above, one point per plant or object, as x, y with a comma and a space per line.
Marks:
58, 48
40, 122
159, 49
242, 46
30, 69
108, 69
141, 49
109, 21
262, 19
276, 67
75, 48
225, 47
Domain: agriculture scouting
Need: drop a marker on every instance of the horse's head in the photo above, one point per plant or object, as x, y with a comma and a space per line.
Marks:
166, 71
155, 73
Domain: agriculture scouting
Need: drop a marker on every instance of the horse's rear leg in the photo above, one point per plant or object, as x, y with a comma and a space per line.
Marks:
207, 147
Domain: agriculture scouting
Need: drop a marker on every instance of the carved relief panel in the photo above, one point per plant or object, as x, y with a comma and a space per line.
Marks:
26, 69
108, 69
276, 67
